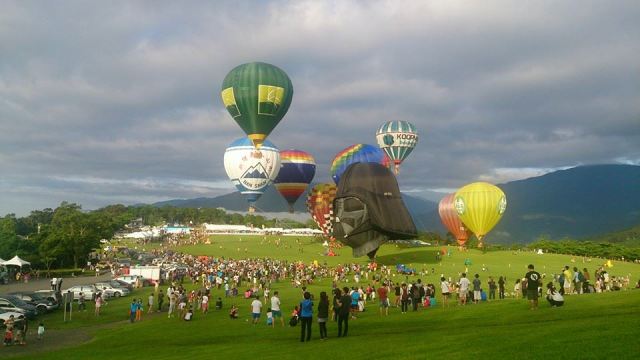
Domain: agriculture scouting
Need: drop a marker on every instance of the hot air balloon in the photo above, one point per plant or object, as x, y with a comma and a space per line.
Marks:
296, 173
369, 210
480, 206
451, 220
257, 96
354, 154
397, 139
320, 206
251, 170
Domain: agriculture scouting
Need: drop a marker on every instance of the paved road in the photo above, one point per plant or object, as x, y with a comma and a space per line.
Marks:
45, 284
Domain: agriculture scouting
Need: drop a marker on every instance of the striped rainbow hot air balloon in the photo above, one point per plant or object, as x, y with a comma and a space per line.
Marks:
355, 154
296, 173
397, 139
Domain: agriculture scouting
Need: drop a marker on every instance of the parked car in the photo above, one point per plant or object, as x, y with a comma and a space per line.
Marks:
15, 304
41, 302
89, 291
112, 291
50, 295
131, 279
124, 284
5, 315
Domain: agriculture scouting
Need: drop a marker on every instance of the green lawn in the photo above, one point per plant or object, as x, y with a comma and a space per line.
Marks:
589, 326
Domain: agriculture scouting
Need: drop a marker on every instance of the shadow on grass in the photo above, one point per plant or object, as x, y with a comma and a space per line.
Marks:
409, 257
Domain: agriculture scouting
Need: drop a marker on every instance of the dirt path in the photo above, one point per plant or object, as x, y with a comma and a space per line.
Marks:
57, 339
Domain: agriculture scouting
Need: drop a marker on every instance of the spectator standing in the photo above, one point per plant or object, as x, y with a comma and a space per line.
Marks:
463, 288
306, 317
275, 309
323, 314
256, 309
533, 282
343, 315
477, 289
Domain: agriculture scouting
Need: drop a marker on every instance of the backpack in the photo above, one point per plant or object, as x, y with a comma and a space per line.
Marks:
580, 276
294, 321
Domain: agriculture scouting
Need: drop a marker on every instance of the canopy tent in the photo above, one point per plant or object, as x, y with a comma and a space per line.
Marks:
1, 261
16, 261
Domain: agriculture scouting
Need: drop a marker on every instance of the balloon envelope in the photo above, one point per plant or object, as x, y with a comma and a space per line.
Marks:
320, 205
257, 96
397, 139
451, 220
251, 170
297, 171
480, 206
354, 154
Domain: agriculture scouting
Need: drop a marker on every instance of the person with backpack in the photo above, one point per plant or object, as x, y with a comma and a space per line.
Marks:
578, 279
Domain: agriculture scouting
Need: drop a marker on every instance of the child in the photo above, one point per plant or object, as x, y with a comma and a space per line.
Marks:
189, 314
269, 317
233, 313
8, 336
40, 331
219, 304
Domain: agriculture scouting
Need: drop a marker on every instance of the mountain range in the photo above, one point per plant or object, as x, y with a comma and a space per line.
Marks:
580, 202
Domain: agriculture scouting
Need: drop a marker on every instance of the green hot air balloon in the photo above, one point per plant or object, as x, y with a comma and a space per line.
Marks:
257, 96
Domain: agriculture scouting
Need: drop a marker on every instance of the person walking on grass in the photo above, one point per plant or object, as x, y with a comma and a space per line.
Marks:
501, 284
256, 309
276, 310
306, 317
323, 314
533, 282
492, 288
383, 297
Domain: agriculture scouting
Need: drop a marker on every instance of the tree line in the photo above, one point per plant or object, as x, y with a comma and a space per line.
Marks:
66, 236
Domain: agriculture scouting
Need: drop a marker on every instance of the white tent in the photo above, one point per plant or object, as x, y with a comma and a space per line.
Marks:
16, 261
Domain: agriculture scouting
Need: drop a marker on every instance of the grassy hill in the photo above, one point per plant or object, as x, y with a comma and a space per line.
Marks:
589, 326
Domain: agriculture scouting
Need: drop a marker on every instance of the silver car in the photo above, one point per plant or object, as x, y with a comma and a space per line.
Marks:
112, 291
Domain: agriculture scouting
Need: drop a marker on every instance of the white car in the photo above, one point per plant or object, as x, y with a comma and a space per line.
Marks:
89, 292
5, 315
131, 279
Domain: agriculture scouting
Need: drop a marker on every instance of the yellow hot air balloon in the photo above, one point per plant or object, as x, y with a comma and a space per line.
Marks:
480, 206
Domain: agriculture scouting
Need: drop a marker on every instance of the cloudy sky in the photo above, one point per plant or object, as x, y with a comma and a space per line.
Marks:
118, 102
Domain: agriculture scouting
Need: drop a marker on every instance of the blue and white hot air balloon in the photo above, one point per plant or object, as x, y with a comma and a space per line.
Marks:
251, 170
397, 139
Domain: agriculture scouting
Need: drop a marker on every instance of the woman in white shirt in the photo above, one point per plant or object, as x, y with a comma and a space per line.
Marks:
444, 286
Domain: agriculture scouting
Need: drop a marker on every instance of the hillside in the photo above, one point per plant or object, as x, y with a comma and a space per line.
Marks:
581, 202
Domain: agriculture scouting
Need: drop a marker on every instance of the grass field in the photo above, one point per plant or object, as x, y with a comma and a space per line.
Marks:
592, 326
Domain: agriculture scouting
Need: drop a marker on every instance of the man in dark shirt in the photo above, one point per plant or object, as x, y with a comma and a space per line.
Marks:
343, 314
533, 281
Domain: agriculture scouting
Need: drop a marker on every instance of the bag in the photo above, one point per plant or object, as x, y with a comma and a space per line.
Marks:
293, 322
580, 277
432, 301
